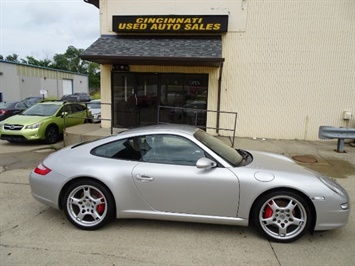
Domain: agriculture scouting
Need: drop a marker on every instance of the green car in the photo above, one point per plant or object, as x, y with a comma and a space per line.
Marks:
44, 121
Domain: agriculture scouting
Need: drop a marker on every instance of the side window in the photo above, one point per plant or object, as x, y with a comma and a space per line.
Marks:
77, 108
126, 149
170, 149
66, 108
20, 105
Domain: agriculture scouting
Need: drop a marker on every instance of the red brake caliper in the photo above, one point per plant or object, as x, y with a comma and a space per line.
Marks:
268, 211
100, 208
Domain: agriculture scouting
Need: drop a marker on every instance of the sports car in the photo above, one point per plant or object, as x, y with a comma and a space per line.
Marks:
182, 173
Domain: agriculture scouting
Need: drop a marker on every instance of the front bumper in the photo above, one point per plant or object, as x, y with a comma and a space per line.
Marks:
331, 213
23, 135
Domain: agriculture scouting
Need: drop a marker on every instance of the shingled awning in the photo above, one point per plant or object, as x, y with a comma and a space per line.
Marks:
147, 50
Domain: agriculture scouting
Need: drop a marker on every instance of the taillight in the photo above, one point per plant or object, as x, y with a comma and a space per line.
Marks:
2, 112
41, 169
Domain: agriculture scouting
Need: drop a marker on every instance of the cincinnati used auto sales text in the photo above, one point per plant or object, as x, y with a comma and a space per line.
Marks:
170, 24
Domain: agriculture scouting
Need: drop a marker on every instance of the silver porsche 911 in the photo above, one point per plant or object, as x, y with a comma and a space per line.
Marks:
181, 173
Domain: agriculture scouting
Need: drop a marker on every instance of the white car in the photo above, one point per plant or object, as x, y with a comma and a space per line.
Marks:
95, 107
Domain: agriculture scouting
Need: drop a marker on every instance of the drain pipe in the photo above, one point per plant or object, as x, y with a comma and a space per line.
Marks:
219, 95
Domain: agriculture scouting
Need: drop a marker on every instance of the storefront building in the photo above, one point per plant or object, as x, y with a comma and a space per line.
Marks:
286, 67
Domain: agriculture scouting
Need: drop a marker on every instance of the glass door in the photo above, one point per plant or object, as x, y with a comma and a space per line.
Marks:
146, 92
134, 99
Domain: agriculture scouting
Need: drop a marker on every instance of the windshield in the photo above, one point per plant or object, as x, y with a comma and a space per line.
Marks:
42, 110
220, 148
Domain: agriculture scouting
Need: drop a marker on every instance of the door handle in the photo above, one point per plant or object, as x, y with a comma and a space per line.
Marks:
144, 178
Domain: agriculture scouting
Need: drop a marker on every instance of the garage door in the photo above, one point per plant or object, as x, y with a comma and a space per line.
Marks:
67, 86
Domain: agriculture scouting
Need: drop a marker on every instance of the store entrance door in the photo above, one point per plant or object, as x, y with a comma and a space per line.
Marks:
136, 97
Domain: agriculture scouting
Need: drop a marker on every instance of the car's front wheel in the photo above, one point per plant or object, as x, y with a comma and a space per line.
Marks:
51, 135
88, 205
282, 216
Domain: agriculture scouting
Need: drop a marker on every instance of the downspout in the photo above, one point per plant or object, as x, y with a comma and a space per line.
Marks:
219, 96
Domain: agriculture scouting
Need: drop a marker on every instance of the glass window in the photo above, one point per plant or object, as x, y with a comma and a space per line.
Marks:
20, 105
165, 149
77, 108
125, 149
169, 149
42, 110
219, 147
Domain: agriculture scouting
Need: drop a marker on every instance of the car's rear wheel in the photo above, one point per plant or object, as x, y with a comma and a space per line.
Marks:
88, 205
52, 135
282, 216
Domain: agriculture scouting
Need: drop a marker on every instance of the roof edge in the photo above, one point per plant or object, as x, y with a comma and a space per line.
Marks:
93, 2
163, 61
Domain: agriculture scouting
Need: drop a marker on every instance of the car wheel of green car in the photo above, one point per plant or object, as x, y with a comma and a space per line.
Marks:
52, 135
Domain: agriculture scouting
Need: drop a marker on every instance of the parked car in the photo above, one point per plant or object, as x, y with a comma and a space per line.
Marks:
76, 98
43, 121
30, 101
8, 109
95, 107
181, 173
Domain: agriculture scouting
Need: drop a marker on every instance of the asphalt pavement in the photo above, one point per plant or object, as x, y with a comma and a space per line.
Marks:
34, 234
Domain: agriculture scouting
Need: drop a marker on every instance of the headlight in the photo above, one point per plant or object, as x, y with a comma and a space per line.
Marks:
33, 126
333, 185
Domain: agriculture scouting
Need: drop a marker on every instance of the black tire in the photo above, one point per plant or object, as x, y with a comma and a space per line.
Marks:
88, 205
52, 135
281, 216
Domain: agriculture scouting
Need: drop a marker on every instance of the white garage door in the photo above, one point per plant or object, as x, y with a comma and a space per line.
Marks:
67, 86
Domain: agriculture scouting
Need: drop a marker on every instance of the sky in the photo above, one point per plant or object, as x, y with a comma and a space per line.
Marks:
43, 28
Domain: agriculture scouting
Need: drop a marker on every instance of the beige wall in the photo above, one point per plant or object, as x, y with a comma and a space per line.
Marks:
289, 64
293, 69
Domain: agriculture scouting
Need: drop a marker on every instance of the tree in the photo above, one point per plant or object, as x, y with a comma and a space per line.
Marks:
94, 76
71, 61
32, 61
12, 58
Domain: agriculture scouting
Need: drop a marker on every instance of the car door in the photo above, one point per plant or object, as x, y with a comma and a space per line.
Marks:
76, 114
169, 181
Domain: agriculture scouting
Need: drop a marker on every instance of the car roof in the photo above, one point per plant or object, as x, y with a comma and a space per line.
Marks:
53, 102
160, 129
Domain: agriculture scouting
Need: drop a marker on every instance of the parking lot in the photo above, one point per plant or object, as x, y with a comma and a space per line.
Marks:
32, 233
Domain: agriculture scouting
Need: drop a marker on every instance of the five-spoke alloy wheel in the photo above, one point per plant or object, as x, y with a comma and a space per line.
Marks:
88, 205
282, 216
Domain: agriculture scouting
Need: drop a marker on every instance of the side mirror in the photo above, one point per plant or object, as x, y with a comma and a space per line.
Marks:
64, 114
205, 163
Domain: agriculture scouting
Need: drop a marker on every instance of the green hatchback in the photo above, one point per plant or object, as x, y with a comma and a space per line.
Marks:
44, 121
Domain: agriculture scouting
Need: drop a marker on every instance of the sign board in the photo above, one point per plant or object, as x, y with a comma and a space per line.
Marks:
171, 24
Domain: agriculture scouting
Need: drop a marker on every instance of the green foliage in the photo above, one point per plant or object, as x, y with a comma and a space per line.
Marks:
69, 61
96, 95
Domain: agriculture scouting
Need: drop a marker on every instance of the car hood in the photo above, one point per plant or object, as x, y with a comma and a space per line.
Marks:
24, 119
271, 162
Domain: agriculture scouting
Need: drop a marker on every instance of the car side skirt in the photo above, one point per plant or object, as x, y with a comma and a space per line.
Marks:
181, 217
